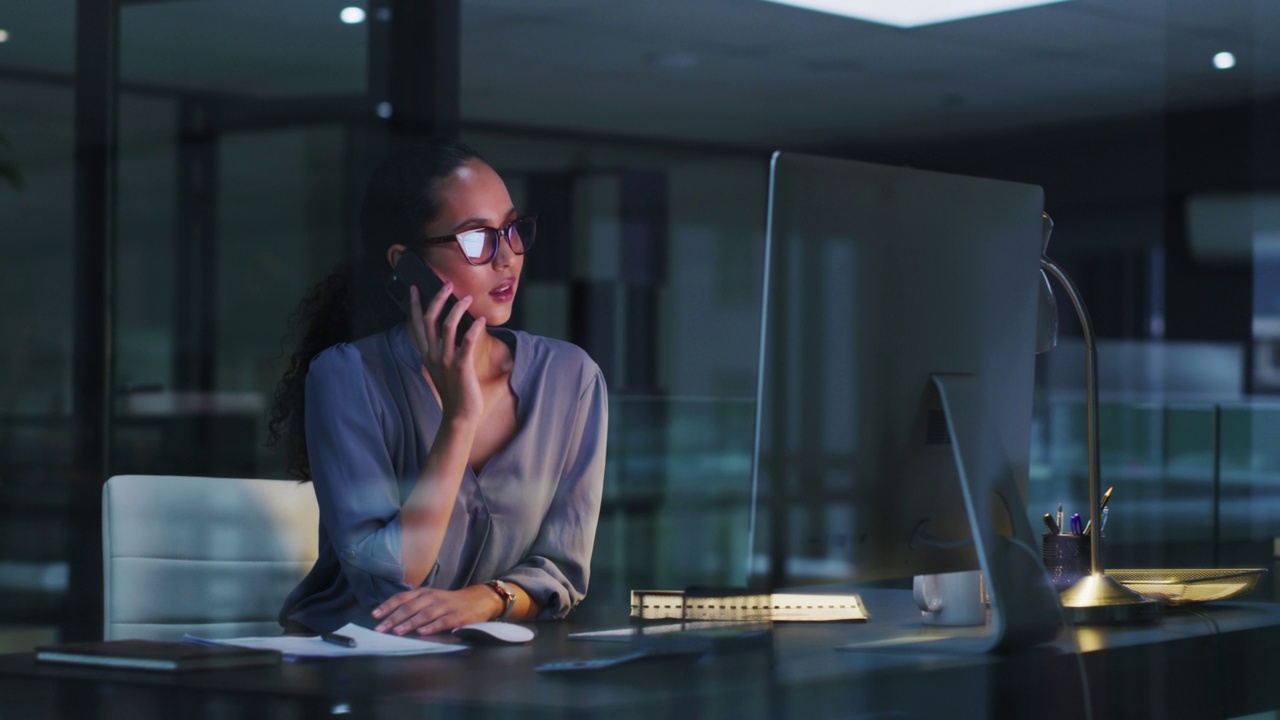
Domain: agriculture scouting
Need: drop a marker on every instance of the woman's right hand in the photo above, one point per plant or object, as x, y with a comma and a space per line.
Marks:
450, 365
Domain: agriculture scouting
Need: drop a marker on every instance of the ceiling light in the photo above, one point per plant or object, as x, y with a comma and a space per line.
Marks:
914, 13
1224, 61
4, 35
352, 15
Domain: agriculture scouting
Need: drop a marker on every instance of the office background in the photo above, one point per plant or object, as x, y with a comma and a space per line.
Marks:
177, 173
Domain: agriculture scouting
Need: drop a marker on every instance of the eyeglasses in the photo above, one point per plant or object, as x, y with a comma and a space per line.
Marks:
480, 245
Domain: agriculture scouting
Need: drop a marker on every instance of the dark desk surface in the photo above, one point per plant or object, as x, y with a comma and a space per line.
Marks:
1217, 661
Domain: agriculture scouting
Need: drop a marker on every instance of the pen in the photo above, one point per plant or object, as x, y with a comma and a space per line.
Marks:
1077, 527
1059, 515
1106, 496
337, 639
1102, 508
1103, 524
1049, 523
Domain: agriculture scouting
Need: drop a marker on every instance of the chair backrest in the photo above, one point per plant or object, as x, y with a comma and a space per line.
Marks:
209, 556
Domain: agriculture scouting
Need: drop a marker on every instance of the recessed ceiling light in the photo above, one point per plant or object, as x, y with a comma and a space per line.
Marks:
913, 13
4, 35
1224, 61
352, 15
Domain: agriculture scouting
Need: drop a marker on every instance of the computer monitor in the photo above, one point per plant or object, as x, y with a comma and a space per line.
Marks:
896, 372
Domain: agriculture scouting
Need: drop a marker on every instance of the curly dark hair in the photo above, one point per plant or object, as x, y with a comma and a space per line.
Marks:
400, 200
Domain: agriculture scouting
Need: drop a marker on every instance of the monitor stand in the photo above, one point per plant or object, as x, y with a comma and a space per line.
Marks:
1024, 605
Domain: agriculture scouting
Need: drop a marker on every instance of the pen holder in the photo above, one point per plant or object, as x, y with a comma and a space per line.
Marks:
1067, 558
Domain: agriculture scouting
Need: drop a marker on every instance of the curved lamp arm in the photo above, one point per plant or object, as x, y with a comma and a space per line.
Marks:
1091, 408
1099, 596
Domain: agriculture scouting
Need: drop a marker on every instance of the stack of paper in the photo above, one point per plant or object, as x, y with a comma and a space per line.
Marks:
368, 642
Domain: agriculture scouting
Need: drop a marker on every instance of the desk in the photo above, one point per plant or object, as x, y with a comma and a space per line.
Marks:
1175, 667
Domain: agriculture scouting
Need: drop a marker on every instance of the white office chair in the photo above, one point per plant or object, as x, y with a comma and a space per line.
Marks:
204, 555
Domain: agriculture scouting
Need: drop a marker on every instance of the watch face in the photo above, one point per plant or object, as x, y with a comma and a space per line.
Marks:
503, 590
508, 597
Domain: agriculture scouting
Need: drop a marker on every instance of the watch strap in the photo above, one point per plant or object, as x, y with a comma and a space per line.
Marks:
508, 597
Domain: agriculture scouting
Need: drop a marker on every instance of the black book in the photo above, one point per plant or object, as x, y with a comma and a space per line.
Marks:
156, 655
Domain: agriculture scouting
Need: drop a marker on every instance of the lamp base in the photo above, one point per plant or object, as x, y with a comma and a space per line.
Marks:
1099, 598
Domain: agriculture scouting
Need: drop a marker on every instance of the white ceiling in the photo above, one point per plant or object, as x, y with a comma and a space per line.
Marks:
728, 72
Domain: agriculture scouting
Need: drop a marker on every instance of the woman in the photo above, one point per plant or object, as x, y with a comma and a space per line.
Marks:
457, 483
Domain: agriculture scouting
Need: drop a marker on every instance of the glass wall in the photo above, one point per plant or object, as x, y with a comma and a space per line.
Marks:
236, 173
37, 179
231, 203
242, 134
678, 484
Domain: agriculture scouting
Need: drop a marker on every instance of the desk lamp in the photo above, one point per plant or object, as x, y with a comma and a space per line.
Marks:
1098, 597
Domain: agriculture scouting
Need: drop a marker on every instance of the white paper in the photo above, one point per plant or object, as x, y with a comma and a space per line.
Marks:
368, 642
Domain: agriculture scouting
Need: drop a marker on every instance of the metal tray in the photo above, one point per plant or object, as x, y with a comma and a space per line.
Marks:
1183, 586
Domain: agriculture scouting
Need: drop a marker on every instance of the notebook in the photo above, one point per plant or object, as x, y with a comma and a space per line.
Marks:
155, 655
703, 604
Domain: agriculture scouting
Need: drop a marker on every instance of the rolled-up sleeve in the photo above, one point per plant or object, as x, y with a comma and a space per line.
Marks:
556, 571
351, 468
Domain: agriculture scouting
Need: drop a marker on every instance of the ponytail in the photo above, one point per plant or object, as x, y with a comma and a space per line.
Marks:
400, 200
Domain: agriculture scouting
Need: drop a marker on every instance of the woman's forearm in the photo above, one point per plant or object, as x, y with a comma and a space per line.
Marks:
525, 609
424, 517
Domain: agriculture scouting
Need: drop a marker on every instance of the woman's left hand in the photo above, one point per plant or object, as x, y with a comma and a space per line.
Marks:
428, 610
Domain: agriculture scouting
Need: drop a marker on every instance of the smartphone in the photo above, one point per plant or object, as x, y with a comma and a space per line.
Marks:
409, 270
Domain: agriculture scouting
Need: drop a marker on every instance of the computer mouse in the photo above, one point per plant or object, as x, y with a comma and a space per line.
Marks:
494, 633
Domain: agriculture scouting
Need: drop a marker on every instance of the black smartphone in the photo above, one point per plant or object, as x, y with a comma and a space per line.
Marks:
409, 270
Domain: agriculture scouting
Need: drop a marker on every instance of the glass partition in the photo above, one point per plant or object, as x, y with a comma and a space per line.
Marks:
677, 495
666, 298
1197, 485
231, 199
37, 186
239, 185
240, 164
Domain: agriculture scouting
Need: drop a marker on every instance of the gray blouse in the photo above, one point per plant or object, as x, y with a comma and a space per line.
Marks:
529, 516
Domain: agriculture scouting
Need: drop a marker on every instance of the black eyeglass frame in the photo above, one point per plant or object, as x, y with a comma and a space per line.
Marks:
503, 232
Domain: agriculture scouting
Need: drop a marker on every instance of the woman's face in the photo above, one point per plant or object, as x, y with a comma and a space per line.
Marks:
474, 196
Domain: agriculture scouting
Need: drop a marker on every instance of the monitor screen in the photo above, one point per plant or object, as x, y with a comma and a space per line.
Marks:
900, 305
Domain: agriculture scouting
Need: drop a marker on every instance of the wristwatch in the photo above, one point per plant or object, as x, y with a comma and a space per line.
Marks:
508, 597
